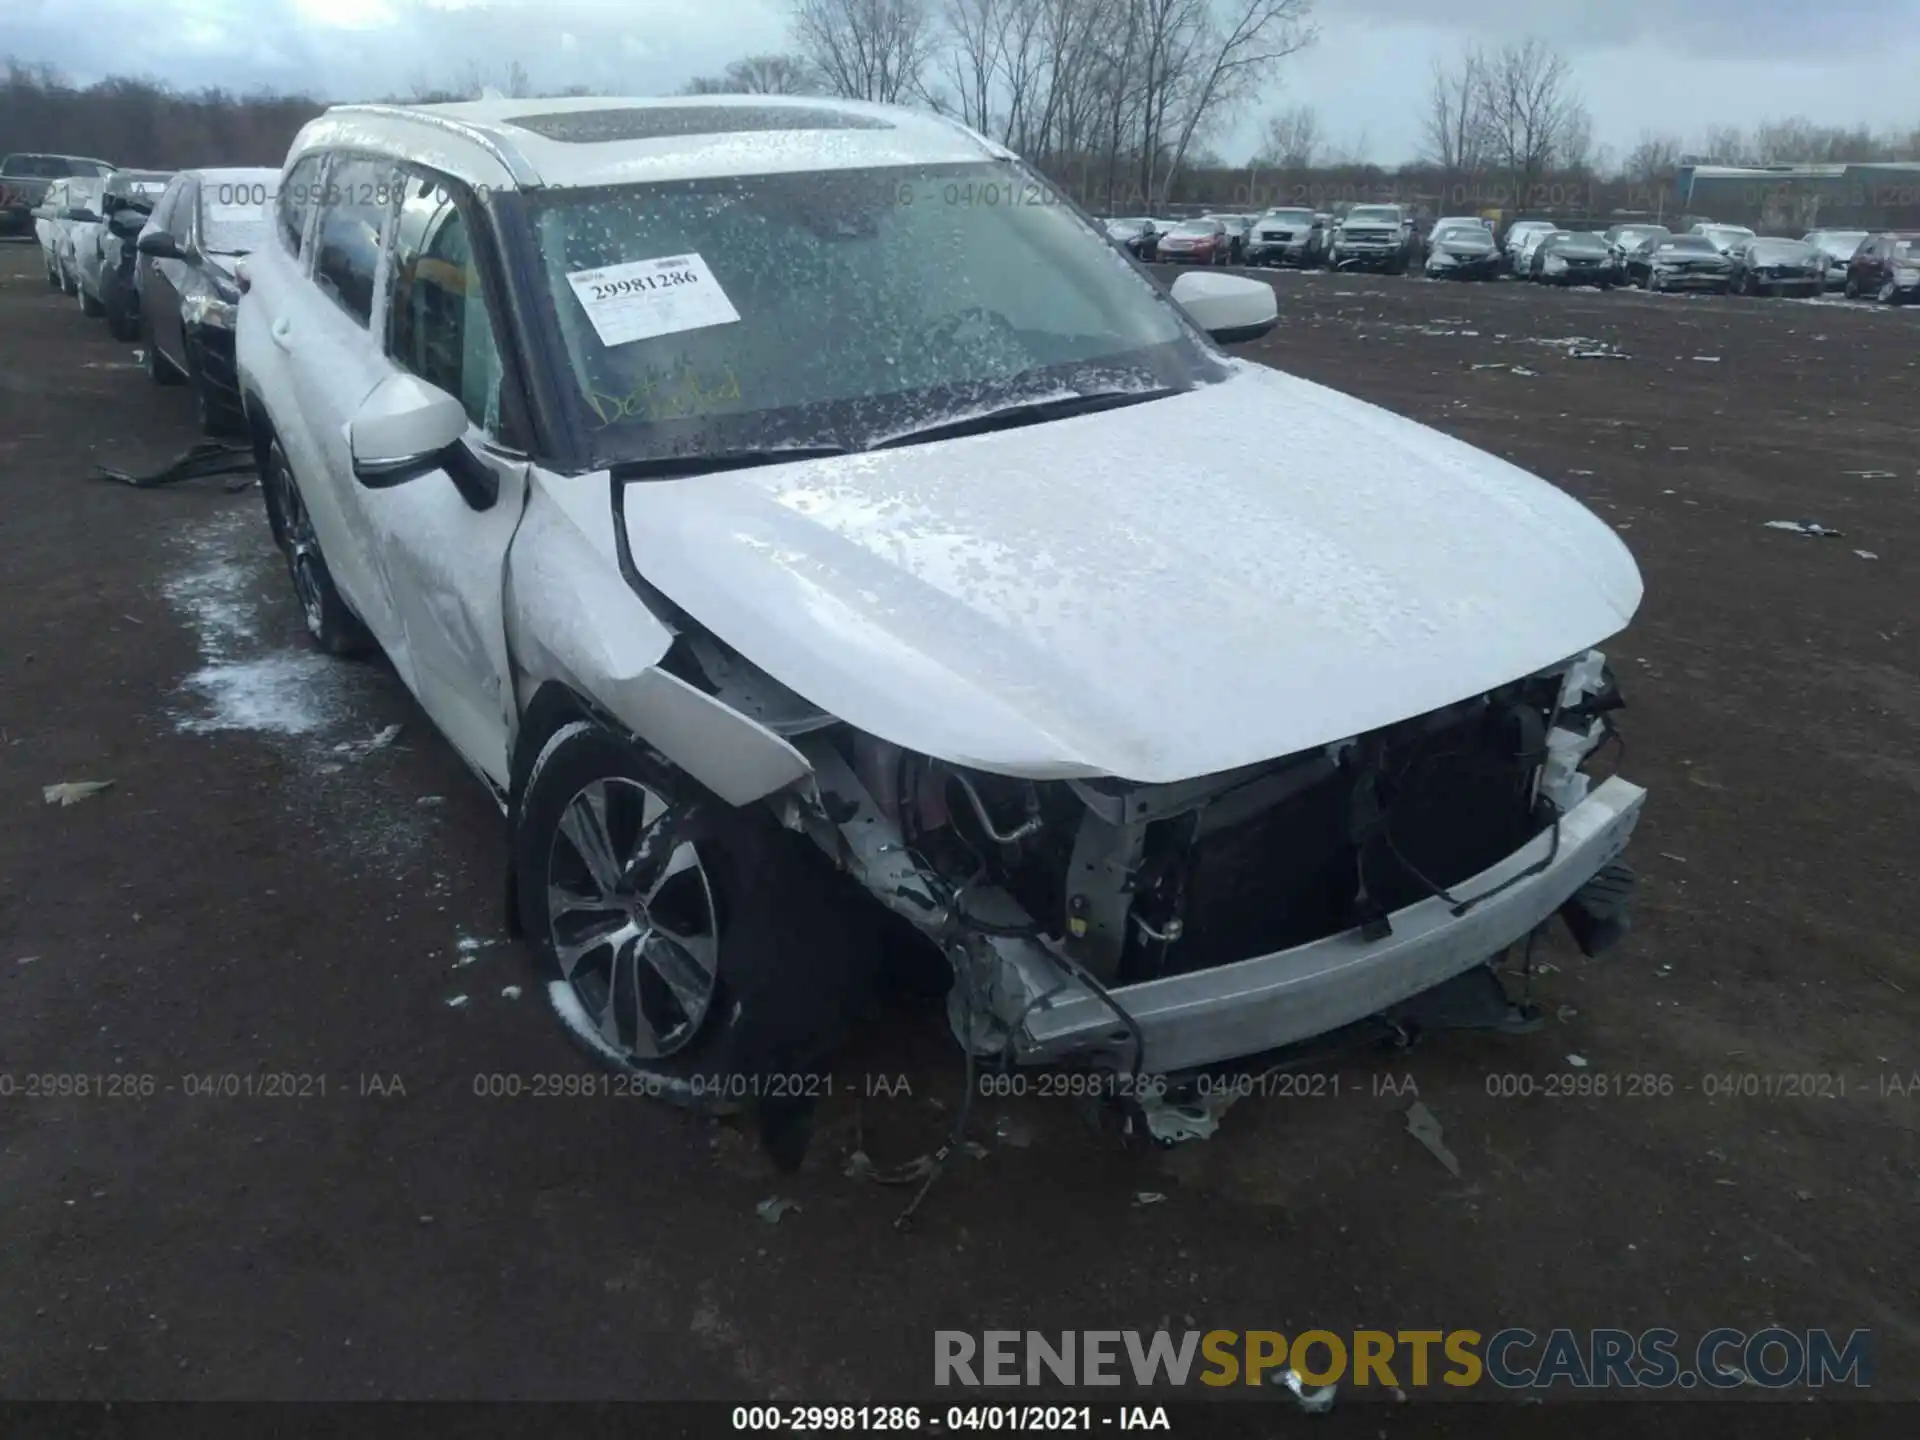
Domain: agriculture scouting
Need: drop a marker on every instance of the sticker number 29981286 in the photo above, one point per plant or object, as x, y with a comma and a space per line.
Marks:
644, 298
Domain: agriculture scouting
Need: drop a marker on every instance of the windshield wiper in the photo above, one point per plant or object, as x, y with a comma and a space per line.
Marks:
671, 467
1029, 412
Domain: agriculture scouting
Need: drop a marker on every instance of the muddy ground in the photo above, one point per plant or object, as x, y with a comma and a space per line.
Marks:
265, 893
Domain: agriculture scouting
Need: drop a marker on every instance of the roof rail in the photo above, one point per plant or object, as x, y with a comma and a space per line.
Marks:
522, 172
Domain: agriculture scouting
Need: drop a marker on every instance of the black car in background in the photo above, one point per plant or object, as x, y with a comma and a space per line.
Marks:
1463, 250
1680, 262
204, 223
1630, 236
126, 206
1573, 257
1136, 236
1765, 266
24, 179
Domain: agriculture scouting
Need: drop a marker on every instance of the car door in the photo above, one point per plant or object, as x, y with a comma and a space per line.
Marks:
167, 279
443, 536
333, 361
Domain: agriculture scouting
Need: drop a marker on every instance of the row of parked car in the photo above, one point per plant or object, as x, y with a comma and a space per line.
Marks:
1709, 256
154, 254
1724, 259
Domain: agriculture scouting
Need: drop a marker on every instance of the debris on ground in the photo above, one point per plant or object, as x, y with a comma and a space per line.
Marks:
208, 458
1866, 555
1314, 1402
510, 992
1578, 1062
1010, 1131
454, 1002
379, 740
1804, 527
1425, 1127
26, 959
1148, 1197
1711, 359
72, 792
772, 1208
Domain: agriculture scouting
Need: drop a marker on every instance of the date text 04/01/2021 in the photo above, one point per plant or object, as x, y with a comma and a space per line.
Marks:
831, 1419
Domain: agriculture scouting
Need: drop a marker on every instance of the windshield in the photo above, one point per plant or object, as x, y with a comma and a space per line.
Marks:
1778, 250
230, 222
840, 307
1288, 217
1904, 249
1692, 244
1374, 213
1196, 227
42, 167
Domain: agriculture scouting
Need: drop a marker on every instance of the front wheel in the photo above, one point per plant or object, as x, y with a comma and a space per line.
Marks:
89, 306
334, 627
53, 276
1889, 294
699, 944
1851, 289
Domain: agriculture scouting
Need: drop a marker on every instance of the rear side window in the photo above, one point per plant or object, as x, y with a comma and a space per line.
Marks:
346, 245
296, 199
438, 325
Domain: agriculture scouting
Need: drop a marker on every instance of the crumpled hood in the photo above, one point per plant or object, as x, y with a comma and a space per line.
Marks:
1164, 591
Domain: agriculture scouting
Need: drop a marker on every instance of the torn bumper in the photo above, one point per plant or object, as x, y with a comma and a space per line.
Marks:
1230, 1011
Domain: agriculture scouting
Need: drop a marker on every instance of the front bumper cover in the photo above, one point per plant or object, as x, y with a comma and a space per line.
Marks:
1209, 1016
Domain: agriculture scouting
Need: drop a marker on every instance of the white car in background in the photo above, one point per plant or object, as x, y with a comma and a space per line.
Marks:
1520, 239
788, 543
70, 207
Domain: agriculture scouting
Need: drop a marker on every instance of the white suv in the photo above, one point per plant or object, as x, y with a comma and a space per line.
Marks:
778, 500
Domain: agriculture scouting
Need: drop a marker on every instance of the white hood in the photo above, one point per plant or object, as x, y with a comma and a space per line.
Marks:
1158, 592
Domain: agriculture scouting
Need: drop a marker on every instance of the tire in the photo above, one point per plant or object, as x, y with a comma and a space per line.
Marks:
215, 418
1851, 289
53, 275
333, 626
701, 940
89, 306
159, 369
1888, 294
122, 326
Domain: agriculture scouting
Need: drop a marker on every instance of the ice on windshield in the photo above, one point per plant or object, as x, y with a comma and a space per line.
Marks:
232, 229
868, 302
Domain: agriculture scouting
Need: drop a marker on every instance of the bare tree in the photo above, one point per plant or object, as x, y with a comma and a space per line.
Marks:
1293, 140
1533, 117
1652, 159
866, 49
1237, 49
756, 75
1454, 123
516, 84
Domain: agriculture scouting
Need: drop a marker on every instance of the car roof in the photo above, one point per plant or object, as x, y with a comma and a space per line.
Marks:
234, 175
589, 140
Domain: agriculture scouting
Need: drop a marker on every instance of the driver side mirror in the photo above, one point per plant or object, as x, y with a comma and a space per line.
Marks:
79, 213
127, 224
1230, 308
404, 430
161, 246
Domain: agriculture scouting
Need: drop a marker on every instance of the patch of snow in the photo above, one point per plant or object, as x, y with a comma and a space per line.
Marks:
279, 694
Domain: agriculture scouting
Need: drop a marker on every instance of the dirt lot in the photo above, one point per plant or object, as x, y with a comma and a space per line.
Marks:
262, 893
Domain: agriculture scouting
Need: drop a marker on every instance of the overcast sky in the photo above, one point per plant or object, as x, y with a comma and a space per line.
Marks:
1671, 65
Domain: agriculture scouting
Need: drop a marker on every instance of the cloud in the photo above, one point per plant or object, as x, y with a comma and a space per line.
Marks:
1664, 65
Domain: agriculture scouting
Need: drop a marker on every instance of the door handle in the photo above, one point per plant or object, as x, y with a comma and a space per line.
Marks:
282, 333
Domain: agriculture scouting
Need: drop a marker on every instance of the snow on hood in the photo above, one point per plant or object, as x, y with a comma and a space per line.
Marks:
1169, 590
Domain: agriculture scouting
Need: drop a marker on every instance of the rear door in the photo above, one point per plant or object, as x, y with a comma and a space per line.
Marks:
334, 360
443, 536
166, 279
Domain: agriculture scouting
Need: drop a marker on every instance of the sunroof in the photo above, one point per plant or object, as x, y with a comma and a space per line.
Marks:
591, 127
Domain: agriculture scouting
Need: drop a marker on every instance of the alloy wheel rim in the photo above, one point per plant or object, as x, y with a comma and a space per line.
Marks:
302, 547
631, 917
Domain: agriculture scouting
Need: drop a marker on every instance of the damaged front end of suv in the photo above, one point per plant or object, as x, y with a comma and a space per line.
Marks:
1164, 928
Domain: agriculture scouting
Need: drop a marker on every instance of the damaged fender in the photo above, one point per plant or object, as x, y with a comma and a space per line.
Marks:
572, 621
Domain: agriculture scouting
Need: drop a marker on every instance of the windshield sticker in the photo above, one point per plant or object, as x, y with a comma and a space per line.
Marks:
645, 298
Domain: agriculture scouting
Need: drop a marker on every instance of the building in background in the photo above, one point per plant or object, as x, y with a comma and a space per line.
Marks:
1880, 195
